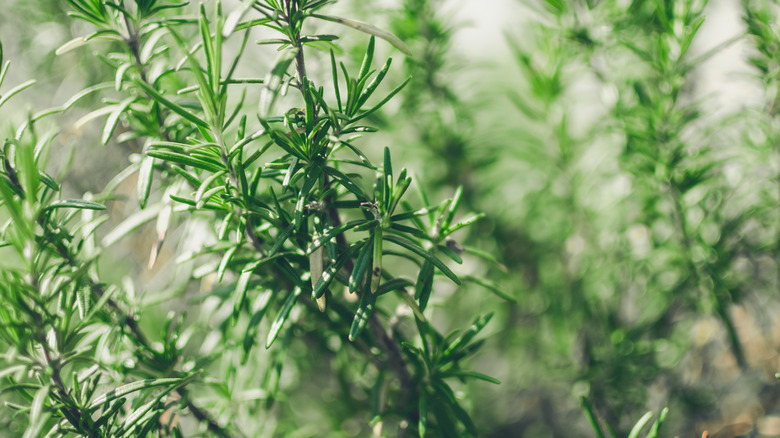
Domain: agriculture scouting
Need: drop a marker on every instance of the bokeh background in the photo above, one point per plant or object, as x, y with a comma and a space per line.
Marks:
628, 162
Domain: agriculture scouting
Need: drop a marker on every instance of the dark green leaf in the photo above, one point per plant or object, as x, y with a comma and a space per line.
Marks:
361, 264
365, 309
411, 246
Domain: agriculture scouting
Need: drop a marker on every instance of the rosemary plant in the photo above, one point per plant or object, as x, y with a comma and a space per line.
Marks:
293, 232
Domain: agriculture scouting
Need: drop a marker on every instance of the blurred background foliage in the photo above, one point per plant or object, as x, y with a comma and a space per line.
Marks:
631, 201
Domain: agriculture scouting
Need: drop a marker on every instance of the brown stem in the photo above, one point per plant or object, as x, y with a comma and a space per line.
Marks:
203, 416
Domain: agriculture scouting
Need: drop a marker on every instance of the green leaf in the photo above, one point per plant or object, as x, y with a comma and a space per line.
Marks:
75, 203
640, 425
207, 92
235, 16
240, 293
361, 264
335, 231
654, 430
130, 388
411, 246
335, 75
312, 176
594, 422
82, 300
281, 238
394, 284
369, 29
446, 395
330, 273
48, 180
281, 317
446, 250
424, 285
365, 309
465, 223
113, 119
489, 285
369, 56
347, 183
188, 160
470, 375
104, 297
154, 94
223, 264
371, 87
387, 171
387, 98
466, 337
36, 408
145, 175
25, 156
376, 258
16, 90
203, 194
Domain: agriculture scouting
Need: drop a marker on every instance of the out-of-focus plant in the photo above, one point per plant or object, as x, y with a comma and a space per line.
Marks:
295, 247
631, 227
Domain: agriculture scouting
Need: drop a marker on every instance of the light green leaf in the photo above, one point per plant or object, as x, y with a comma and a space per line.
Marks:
240, 294
130, 388
640, 425
113, 119
145, 175
75, 203
154, 94
16, 90
369, 29
471, 375
363, 314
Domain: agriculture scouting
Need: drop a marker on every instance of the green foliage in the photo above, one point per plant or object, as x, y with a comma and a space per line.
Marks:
239, 180
87, 356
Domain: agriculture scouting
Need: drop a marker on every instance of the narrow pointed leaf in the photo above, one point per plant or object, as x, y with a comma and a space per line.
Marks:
145, 175
361, 264
15, 90
471, 375
170, 105
411, 246
327, 277
113, 119
282, 316
132, 387
242, 285
75, 203
369, 29
365, 309
640, 425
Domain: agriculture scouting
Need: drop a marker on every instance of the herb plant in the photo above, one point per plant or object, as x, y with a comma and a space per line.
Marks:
289, 235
